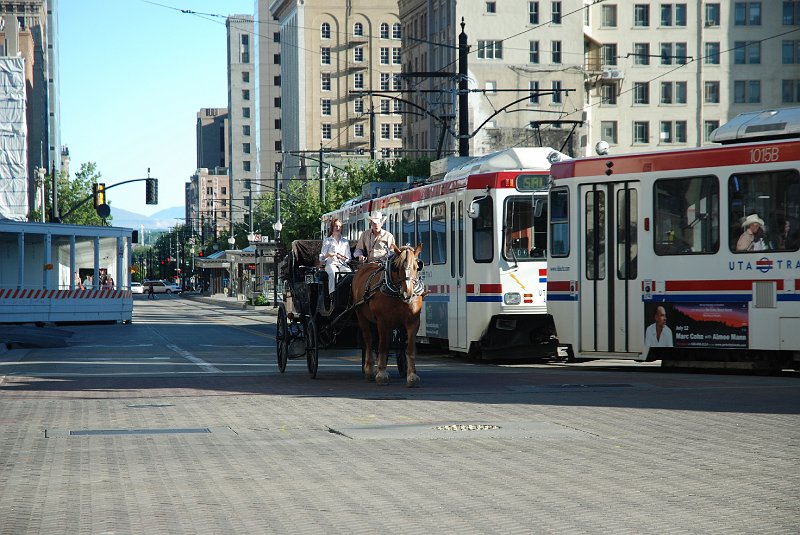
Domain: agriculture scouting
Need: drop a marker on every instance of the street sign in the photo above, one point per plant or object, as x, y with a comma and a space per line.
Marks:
266, 277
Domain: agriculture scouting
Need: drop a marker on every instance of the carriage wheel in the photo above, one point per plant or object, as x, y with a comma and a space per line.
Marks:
312, 348
399, 339
282, 338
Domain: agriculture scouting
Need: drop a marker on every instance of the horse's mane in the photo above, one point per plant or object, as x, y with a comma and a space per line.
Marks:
397, 262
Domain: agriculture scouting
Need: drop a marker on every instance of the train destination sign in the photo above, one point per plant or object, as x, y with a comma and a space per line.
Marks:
532, 182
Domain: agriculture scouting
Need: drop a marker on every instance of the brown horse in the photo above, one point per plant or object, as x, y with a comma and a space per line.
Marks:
389, 298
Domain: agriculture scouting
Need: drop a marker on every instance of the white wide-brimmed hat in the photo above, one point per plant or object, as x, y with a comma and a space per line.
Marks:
752, 218
378, 217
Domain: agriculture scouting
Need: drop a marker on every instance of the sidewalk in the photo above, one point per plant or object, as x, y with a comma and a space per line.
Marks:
229, 302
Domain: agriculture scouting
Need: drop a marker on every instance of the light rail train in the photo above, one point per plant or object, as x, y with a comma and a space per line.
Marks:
687, 256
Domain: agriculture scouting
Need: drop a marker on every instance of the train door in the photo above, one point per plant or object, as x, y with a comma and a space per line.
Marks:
610, 302
457, 304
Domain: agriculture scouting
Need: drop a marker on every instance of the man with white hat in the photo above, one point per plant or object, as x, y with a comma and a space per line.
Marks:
751, 238
375, 242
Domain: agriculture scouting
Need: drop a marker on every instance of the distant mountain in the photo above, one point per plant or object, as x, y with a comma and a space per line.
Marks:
161, 220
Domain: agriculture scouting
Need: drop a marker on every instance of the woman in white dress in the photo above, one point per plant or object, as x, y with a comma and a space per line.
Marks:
335, 253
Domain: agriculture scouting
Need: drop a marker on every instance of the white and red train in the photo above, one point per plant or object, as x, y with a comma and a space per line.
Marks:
688, 256
484, 231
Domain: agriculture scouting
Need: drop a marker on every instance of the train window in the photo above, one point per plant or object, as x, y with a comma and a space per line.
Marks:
483, 231
686, 216
627, 239
770, 199
407, 234
595, 235
438, 246
559, 222
424, 233
525, 228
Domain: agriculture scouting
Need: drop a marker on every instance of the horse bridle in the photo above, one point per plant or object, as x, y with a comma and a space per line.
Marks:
391, 287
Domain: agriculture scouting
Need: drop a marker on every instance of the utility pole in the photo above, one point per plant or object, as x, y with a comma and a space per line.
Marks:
372, 148
463, 95
321, 175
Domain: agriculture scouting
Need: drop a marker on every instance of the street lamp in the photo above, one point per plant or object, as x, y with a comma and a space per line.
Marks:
232, 268
276, 226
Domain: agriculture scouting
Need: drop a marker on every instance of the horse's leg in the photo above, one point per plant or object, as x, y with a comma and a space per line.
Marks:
412, 379
384, 333
366, 348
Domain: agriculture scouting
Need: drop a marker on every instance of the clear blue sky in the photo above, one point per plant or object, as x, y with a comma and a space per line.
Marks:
133, 76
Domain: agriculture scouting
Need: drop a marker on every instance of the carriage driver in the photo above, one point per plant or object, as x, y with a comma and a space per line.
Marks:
335, 253
375, 242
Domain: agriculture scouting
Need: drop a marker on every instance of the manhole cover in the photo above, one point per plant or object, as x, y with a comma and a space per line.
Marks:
467, 427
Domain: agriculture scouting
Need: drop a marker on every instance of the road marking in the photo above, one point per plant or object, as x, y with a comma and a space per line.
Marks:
188, 356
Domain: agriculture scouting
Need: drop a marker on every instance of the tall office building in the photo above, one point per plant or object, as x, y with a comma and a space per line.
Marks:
241, 115
342, 60
523, 57
268, 72
29, 29
208, 190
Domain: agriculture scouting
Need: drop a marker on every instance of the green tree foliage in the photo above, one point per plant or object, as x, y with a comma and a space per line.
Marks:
74, 191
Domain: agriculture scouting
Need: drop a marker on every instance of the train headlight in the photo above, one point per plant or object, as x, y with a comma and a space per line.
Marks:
512, 298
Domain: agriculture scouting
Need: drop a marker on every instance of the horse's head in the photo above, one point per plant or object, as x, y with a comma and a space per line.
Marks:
406, 264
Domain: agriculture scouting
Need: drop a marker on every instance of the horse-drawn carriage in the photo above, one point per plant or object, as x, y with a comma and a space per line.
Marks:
309, 319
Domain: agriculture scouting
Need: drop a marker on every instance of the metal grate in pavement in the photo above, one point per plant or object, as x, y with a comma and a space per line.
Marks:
62, 433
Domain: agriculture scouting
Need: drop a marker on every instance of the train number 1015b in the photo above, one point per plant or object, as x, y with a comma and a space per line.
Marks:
764, 154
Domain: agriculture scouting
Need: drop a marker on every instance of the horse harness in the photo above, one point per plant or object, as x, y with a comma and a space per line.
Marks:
387, 286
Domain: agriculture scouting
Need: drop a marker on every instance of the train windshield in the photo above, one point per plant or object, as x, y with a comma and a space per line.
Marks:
525, 228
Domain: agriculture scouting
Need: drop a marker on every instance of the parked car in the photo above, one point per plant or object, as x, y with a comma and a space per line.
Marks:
137, 288
175, 287
159, 287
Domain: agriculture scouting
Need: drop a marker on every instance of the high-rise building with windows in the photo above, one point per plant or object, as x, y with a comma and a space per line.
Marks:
268, 73
342, 61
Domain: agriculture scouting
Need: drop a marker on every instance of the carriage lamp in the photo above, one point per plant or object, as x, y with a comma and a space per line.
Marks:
512, 298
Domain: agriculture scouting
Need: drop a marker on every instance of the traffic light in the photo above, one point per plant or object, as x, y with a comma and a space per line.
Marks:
151, 191
99, 193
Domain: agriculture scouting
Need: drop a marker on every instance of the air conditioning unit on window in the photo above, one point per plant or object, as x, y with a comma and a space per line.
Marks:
612, 74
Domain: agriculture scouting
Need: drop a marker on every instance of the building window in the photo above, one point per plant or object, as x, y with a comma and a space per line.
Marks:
712, 14
245, 94
641, 132
681, 92
641, 15
246, 77
556, 51
325, 55
791, 52
277, 102
277, 124
711, 54
608, 94
747, 91
641, 93
276, 59
790, 91
673, 132
711, 92
673, 51
384, 30
673, 14
609, 18
385, 77
326, 131
384, 131
708, 128
747, 13
325, 31
358, 29
397, 83
557, 95
326, 106
680, 131
358, 80
396, 56
396, 33
245, 165
556, 17
358, 54
397, 107
384, 55
608, 131
384, 106
245, 129
358, 105
666, 132
533, 55
278, 146
276, 37
533, 12
326, 81
398, 131
246, 148
747, 52
277, 80
491, 7
358, 130
246, 112
533, 87
490, 49
641, 53
609, 54
673, 92
791, 13
666, 92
